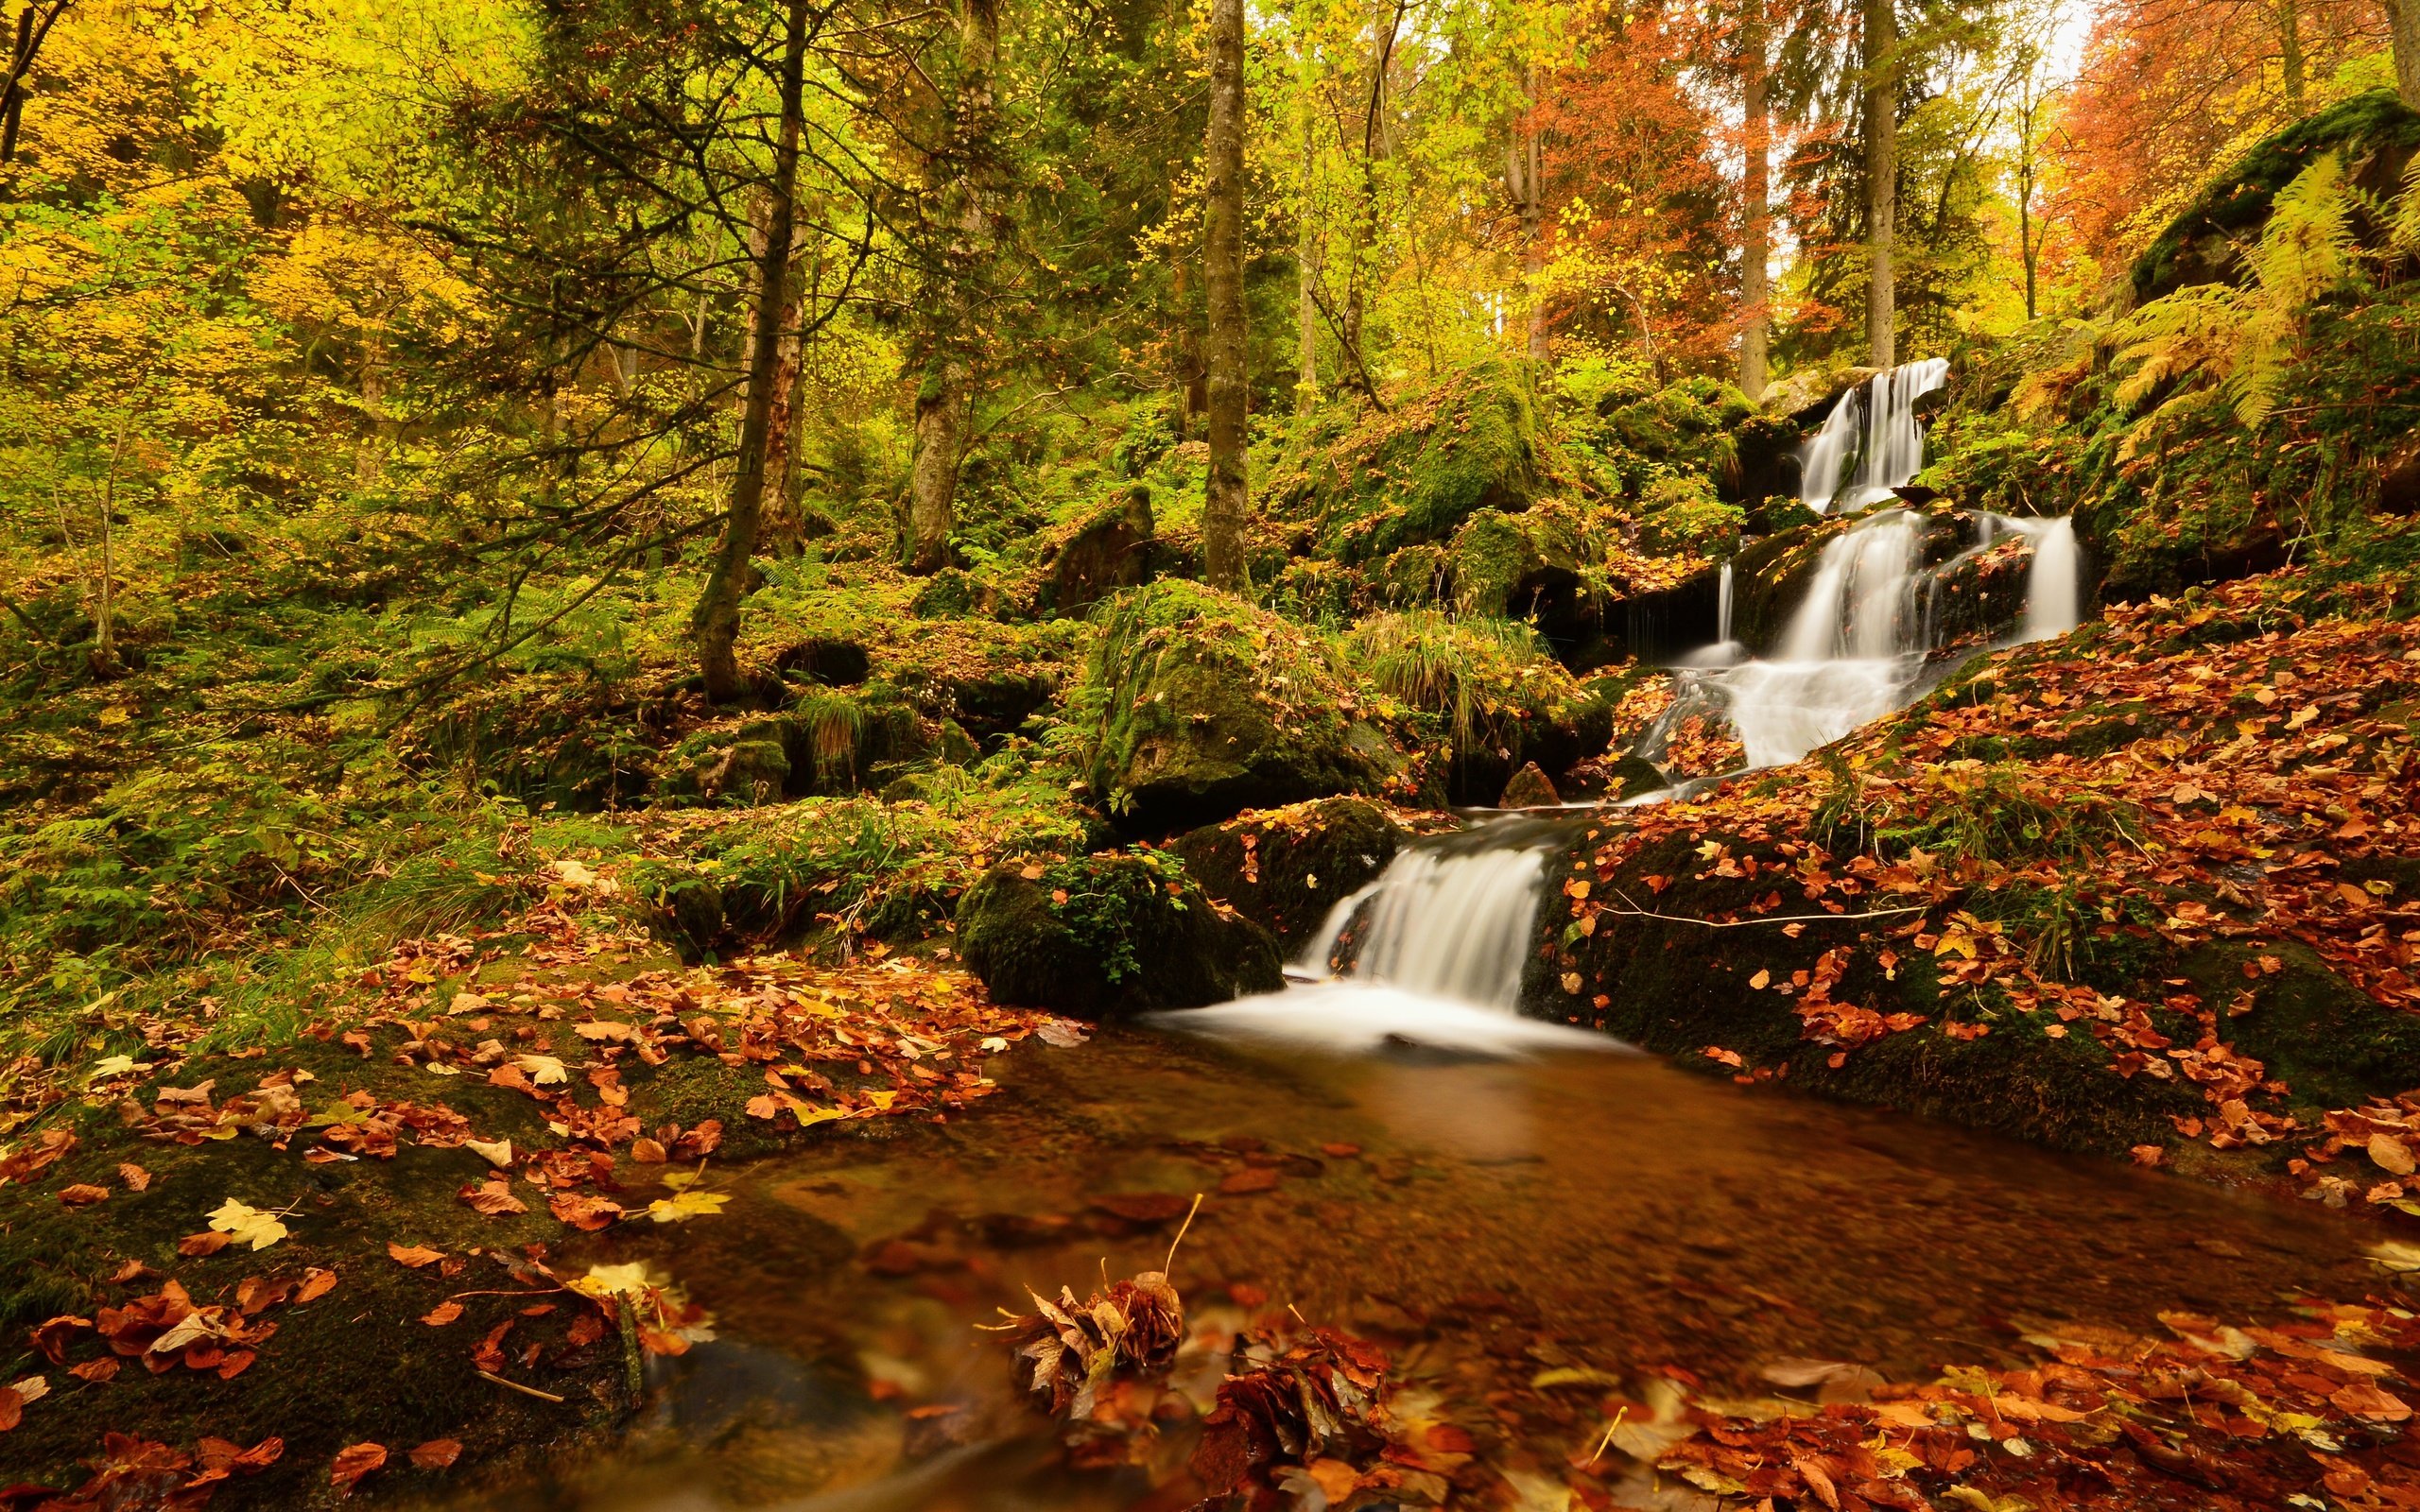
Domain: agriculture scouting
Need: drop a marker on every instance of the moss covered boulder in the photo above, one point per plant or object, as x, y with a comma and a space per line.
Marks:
1100, 937
1415, 472
1489, 693
1206, 706
1285, 868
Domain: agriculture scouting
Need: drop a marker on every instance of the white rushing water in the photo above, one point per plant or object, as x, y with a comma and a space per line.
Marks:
1870, 442
1436, 947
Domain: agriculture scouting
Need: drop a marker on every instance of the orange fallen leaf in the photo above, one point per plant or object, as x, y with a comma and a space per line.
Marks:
354, 1462
83, 1195
493, 1198
193, 1246
442, 1314
1259, 1179
316, 1284
414, 1256
437, 1454
135, 1178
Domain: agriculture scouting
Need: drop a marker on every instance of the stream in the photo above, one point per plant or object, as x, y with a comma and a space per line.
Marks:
1489, 1220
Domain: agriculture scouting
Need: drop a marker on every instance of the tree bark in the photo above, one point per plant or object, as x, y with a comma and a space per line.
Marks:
1222, 509
2403, 24
946, 394
714, 624
1881, 175
2290, 56
1755, 250
1528, 166
1306, 267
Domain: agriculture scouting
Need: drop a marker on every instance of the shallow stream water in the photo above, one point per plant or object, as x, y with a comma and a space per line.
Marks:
1581, 1211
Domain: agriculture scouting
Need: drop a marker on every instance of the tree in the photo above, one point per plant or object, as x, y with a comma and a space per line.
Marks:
1222, 242
1755, 193
33, 28
2403, 23
944, 393
1880, 131
715, 623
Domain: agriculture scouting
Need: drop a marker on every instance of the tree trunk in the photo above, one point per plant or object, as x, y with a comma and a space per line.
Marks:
932, 494
1756, 249
2290, 56
714, 621
785, 532
1529, 193
1306, 271
2403, 24
1222, 509
946, 395
1192, 384
1881, 174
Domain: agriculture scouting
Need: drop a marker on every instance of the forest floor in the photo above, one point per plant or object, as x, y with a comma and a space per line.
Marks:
412, 1238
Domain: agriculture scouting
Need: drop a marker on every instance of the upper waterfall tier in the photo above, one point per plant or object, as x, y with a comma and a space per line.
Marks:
1871, 443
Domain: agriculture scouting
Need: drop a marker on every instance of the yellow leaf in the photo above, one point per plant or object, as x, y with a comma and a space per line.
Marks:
1956, 940
247, 1224
682, 1206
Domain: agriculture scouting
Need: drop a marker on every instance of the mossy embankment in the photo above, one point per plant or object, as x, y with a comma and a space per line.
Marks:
482, 1142
2147, 886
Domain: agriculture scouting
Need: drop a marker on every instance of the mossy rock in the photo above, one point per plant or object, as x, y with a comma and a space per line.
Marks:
2377, 133
684, 909
1210, 706
1509, 563
2330, 1043
1285, 868
1469, 444
1103, 937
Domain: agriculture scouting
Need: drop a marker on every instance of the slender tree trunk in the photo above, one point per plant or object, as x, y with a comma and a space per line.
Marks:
2028, 245
1222, 509
1191, 372
2290, 56
1755, 252
946, 395
1530, 193
1881, 175
785, 532
714, 621
105, 623
2403, 24
1306, 267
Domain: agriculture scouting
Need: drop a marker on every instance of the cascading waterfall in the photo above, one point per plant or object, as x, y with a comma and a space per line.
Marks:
1430, 954
1871, 443
1433, 952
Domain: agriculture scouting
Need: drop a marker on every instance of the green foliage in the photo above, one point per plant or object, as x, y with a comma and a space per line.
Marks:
1475, 676
1679, 516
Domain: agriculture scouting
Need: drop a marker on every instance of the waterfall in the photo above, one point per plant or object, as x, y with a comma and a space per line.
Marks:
1870, 442
1442, 920
1429, 956
2054, 584
1722, 606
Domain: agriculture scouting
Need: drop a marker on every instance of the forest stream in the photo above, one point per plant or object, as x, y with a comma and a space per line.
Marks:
1581, 1217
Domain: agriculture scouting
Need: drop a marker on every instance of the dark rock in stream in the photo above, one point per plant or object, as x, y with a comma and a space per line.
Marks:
1530, 789
1103, 937
1285, 868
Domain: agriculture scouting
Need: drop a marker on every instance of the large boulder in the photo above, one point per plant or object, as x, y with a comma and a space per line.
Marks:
1490, 695
1416, 472
1101, 936
1208, 706
1285, 868
1111, 551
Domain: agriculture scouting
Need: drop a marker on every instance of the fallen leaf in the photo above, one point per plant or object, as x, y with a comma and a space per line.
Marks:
354, 1462
442, 1314
194, 1247
583, 1212
687, 1205
1065, 1034
316, 1284
437, 1454
647, 1151
135, 1178
83, 1195
414, 1256
244, 1224
2390, 1153
2363, 1399
493, 1198
1256, 1178
497, 1153
544, 1069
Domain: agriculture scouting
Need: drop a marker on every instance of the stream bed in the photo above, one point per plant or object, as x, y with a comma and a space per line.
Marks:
1587, 1218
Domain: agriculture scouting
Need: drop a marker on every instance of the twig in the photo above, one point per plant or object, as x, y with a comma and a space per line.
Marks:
1633, 911
1181, 1231
516, 1386
1610, 1429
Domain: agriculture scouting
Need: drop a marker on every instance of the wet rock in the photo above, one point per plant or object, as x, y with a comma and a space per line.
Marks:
1212, 706
754, 768
834, 664
1285, 868
684, 909
1104, 936
1530, 789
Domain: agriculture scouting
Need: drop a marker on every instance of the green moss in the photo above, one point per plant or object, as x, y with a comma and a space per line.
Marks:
1200, 704
1102, 936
